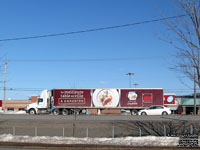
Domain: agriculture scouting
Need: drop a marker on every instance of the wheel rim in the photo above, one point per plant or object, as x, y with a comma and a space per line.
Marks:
164, 113
143, 113
65, 112
32, 112
55, 112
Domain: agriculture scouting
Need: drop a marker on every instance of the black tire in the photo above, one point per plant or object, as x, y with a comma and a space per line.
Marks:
143, 113
164, 113
32, 112
65, 112
133, 112
56, 112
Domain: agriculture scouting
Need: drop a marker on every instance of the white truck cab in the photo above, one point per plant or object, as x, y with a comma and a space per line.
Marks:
41, 104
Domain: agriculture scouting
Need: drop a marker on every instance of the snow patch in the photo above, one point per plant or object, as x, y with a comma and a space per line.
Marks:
20, 112
131, 141
13, 112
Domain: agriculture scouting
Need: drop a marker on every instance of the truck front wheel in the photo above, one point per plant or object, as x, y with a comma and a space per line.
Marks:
32, 112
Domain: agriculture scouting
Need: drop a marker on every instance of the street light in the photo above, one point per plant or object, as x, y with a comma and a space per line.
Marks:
130, 74
135, 84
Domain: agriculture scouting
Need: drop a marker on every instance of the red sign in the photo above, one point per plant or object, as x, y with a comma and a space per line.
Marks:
147, 97
169, 99
72, 97
0, 103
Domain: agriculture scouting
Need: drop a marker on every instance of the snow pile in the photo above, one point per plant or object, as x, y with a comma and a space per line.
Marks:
129, 141
13, 112
20, 112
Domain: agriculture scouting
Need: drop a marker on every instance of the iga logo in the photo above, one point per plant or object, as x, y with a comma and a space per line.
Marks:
170, 99
132, 95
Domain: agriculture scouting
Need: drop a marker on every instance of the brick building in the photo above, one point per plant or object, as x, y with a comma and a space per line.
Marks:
17, 105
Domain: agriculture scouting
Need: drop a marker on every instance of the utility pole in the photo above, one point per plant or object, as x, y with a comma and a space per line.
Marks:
4, 95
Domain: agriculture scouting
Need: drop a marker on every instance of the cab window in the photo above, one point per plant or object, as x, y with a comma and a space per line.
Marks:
40, 100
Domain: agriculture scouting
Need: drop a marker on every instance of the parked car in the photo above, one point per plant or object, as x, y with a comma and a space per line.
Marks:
155, 110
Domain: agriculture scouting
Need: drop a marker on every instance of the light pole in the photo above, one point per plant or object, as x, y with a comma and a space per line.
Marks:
135, 84
130, 74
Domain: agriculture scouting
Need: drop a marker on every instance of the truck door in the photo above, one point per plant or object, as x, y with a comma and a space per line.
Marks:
40, 103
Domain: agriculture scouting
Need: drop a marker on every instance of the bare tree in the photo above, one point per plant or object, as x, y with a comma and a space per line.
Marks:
160, 128
187, 41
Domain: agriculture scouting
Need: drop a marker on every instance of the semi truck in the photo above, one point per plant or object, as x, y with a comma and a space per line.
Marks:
67, 101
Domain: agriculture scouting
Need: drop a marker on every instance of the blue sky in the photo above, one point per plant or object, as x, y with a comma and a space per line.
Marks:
38, 17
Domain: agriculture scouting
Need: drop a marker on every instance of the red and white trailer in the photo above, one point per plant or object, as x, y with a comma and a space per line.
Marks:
1, 103
65, 101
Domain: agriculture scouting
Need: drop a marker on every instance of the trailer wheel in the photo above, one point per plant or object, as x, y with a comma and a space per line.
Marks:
56, 112
32, 112
133, 112
83, 111
143, 113
65, 112
164, 113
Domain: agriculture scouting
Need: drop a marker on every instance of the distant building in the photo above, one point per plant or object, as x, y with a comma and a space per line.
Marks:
187, 104
17, 105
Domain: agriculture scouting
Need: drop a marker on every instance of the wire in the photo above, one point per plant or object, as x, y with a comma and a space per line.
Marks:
90, 30
40, 89
23, 89
87, 60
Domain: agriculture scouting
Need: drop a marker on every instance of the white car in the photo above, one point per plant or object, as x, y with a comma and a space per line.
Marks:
155, 110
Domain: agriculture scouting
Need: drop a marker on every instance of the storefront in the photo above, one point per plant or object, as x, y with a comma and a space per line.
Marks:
187, 104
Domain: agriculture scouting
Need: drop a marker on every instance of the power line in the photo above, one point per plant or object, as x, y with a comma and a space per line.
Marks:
90, 30
40, 89
87, 59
